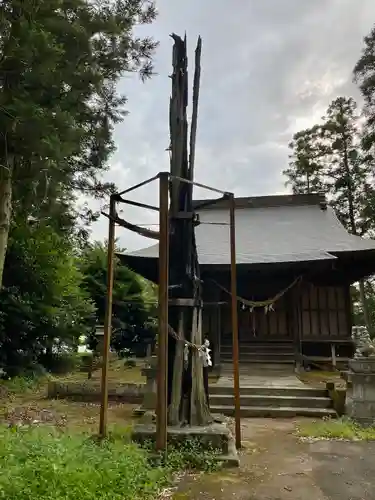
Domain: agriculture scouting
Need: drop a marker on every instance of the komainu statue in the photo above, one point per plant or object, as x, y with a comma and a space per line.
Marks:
364, 346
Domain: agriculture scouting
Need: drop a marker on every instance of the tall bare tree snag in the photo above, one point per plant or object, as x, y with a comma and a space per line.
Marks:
187, 398
181, 389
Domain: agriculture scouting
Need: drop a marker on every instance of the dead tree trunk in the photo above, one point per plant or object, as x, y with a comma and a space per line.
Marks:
187, 398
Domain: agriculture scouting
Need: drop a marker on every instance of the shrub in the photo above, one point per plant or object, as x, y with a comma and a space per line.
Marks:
190, 454
61, 363
130, 363
21, 385
41, 299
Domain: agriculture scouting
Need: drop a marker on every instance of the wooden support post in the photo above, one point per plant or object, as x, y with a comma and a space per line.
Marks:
296, 305
236, 373
107, 320
333, 354
162, 377
337, 308
219, 308
348, 308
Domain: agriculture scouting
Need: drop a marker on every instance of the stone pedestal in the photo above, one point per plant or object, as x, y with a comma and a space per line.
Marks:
361, 390
99, 335
149, 398
214, 436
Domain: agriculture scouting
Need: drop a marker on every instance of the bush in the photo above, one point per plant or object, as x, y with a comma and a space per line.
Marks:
42, 304
40, 463
86, 361
21, 385
130, 363
61, 363
134, 302
190, 454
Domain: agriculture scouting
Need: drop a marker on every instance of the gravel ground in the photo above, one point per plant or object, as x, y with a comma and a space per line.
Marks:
276, 465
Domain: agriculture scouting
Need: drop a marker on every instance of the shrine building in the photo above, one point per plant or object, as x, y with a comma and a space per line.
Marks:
295, 264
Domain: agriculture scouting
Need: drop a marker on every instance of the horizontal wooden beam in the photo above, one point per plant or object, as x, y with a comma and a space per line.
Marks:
184, 302
140, 184
326, 340
326, 358
193, 303
198, 184
137, 204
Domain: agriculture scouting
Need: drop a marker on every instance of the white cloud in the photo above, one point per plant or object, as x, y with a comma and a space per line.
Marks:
269, 68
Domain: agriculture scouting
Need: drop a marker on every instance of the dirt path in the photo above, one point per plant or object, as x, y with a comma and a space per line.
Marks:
275, 465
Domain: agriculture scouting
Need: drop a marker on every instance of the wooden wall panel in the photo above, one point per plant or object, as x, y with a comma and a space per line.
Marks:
206, 319
226, 324
259, 324
324, 312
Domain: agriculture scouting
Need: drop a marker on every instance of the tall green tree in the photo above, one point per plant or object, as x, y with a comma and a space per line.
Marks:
364, 75
60, 61
42, 301
347, 171
134, 307
343, 169
350, 176
305, 168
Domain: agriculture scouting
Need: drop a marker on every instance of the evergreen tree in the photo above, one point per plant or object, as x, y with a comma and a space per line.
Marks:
60, 61
364, 75
305, 167
343, 169
348, 174
134, 300
42, 303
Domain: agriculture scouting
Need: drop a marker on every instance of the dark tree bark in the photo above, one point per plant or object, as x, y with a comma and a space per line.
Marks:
187, 397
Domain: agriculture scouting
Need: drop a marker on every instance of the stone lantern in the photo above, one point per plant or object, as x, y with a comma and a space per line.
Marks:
99, 335
361, 379
149, 371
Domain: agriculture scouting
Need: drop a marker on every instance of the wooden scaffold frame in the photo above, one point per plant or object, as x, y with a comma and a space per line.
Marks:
165, 178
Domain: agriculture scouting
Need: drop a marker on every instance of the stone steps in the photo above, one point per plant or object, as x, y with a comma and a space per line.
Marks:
260, 352
272, 401
260, 357
267, 411
278, 401
276, 365
302, 392
251, 346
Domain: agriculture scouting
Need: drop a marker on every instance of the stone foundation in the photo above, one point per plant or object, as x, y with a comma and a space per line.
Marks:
214, 436
150, 388
91, 391
361, 390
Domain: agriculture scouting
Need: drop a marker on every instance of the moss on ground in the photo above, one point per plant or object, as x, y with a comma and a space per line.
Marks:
342, 428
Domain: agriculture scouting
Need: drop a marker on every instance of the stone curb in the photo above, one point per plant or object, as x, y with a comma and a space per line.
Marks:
90, 391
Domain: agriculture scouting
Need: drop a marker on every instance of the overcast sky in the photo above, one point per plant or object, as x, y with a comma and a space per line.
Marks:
269, 68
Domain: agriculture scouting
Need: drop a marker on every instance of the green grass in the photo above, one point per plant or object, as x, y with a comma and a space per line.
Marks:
58, 458
118, 373
48, 464
342, 428
22, 385
319, 378
42, 463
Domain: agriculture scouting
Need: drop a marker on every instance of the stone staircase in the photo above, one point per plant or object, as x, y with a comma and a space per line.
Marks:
261, 401
279, 352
